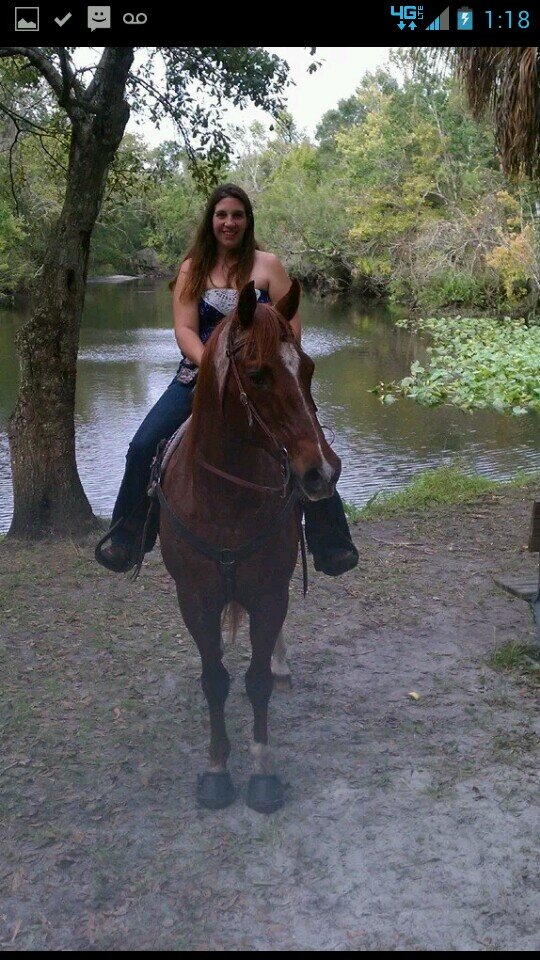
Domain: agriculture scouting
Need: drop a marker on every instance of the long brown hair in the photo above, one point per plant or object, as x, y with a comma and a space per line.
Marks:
203, 251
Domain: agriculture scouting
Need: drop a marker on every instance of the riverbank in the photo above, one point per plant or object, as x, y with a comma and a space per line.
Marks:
355, 294
411, 821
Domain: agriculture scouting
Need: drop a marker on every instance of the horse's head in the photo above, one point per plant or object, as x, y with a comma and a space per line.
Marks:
268, 397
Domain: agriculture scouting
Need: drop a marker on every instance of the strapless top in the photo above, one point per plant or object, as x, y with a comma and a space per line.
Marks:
214, 304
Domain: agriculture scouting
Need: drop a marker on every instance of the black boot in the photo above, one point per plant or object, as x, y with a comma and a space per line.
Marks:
328, 537
122, 553
118, 557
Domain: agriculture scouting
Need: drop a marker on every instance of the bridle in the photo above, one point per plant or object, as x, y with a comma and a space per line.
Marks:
282, 455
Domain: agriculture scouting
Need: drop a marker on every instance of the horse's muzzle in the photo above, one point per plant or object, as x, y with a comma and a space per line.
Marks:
317, 485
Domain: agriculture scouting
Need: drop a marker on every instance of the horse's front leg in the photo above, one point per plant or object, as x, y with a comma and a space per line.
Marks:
265, 790
214, 787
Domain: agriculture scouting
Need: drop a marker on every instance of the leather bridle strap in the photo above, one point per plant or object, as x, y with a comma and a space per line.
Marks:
245, 483
226, 558
250, 408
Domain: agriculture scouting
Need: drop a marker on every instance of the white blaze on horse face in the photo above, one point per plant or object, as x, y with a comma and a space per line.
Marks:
291, 360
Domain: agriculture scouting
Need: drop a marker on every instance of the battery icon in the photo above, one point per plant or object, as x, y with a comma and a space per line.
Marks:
464, 18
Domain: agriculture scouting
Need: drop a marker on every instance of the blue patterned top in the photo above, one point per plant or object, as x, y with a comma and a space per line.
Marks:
215, 304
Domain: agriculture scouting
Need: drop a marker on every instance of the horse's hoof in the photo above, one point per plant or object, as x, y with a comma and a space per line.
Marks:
282, 683
215, 790
265, 793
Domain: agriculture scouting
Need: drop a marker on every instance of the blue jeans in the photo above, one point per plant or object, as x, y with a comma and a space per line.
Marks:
170, 412
326, 524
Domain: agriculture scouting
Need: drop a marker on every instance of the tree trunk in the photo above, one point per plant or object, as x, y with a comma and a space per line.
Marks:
49, 499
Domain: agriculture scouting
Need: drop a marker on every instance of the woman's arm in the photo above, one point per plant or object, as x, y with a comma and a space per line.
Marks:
279, 283
186, 320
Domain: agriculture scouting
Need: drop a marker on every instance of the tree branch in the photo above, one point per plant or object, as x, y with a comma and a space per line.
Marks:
38, 60
69, 92
17, 118
169, 108
69, 78
11, 180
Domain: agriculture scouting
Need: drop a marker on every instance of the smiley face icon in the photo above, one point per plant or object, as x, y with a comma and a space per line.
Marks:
99, 18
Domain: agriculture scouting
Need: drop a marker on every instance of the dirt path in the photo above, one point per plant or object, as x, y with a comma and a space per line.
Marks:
409, 824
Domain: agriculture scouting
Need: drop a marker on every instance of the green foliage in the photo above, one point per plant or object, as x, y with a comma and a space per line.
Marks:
401, 197
13, 264
348, 113
515, 260
429, 488
238, 75
447, 287
352, 512
475, 363
300, 208
415, 167
35, 132
174, 216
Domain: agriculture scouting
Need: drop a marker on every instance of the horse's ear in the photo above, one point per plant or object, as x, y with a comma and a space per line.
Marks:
288, 305
247, 302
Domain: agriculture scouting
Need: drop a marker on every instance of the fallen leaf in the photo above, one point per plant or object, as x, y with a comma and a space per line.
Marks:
16, 880
413, 695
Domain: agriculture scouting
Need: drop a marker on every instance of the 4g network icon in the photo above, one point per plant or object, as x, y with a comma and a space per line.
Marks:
408, 16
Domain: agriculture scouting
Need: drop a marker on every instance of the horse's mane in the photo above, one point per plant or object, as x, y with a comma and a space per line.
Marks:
258, 345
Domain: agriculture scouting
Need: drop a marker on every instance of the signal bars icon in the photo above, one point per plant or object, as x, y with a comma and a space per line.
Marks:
442, 22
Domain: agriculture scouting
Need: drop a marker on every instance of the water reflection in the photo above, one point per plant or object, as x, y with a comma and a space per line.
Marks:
128, 356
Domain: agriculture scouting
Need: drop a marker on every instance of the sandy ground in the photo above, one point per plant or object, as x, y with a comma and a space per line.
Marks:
409, 824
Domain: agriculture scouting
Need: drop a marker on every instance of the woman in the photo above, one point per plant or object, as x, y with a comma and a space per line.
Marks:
224, 257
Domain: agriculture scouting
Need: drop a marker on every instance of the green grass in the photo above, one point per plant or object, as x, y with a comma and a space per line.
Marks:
352, 512
430, 487
445, 485
517, 658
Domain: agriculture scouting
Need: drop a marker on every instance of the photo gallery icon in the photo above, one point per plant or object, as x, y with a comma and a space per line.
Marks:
27, 19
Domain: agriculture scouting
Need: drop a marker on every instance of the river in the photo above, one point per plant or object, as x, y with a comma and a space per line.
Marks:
128, 356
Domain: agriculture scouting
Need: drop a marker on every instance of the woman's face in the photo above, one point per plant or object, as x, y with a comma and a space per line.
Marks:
229, 223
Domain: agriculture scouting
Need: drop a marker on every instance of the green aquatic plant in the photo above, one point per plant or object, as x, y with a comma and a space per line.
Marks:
474, 362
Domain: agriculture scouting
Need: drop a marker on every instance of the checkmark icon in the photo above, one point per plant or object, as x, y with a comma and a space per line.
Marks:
63, 21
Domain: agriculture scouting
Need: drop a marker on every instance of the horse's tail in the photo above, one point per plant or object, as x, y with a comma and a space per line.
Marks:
231, 618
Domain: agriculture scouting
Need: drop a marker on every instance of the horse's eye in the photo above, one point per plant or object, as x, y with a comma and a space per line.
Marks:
258, 377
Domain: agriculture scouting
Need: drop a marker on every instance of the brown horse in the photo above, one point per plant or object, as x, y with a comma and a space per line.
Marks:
229, 519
